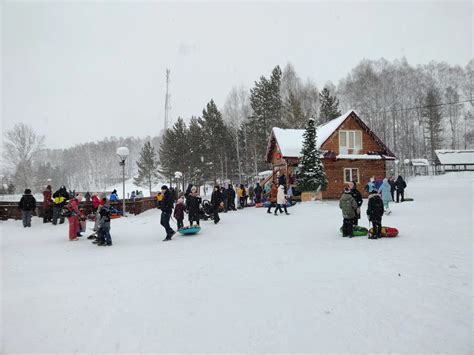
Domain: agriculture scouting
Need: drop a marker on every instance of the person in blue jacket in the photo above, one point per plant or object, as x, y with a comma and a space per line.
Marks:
385, 192
113, 196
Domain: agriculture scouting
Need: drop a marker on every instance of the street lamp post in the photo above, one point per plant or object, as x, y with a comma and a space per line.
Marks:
122, 153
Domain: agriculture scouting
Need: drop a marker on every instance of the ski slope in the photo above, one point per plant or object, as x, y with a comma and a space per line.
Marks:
253, 283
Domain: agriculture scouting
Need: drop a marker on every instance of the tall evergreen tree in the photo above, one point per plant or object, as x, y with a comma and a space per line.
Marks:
147, 167
294, 115
197, 147
311, 175
266, 104
433, 117
329, 106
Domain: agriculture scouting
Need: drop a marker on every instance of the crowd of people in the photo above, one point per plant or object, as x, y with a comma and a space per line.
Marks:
381, 193
62, 204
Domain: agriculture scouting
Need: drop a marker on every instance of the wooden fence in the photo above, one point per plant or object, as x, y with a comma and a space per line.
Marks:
9, 210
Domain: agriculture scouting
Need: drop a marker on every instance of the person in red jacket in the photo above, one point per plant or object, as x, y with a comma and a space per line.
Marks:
47, 205
179, 212
73, 219
95, 202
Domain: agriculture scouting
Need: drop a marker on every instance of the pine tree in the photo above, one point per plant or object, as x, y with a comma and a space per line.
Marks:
266, 104
311, 175
433, 118
329, 106
294, 115
147, 167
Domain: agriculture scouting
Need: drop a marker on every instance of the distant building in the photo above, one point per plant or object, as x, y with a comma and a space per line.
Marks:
454, 160
351, 152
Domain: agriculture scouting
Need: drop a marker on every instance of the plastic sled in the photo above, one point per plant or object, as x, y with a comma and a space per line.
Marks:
189, 230
358, 231
116, 215
387, 232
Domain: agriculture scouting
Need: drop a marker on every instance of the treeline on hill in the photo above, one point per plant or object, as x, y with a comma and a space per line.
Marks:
414, 110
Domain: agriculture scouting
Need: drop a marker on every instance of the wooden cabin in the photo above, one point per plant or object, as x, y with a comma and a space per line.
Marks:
350, 152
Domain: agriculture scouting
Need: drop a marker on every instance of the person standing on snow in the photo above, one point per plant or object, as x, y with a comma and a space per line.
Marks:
375, 213
281, 200
47, 205
348, 205
179, 212
358, 197
225, 198
400, 186
27, 205
258, 193
370, 185
193, 205
216, 199
384, 190
113, 196
73, 219
60, 198
166, 206
391, 182
273, 197
231, 198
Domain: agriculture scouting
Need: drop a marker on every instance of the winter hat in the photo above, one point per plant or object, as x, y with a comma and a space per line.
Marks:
194, 189
164, 187
27, 191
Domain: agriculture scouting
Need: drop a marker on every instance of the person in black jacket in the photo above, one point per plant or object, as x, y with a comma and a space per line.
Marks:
216, 199
375, 212
358, 197
231, 198
166, 206
225, 198
258, 193
27, 205
391, 182
193, 205
60, 198
400, 186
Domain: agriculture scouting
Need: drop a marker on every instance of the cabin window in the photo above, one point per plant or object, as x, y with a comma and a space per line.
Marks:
351, 174
350, 142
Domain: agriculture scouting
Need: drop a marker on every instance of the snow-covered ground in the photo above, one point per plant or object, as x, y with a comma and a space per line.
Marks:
253, 283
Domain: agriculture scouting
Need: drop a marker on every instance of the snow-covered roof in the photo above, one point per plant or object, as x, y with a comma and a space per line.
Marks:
364, 157
455, 157
420, 162
290, 141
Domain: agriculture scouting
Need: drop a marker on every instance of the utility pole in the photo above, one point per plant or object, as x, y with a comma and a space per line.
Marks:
167, 101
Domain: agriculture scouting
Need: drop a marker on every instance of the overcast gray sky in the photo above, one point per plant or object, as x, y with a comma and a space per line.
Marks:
78, 72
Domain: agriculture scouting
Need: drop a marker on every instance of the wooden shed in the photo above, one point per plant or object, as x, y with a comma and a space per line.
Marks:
350, 152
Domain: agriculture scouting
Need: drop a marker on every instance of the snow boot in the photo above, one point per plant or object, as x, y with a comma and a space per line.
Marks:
166, 239
287, 213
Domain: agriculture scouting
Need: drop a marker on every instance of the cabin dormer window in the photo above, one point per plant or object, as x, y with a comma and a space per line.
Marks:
350, 142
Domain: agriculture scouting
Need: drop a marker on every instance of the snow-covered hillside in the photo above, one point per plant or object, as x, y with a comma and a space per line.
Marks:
253, 283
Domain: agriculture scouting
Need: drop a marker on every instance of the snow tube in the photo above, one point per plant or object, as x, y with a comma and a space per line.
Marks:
387, 232
116, 215
189, 230
358, 231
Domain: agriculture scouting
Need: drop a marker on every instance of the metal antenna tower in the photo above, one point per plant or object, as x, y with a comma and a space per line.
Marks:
167, 101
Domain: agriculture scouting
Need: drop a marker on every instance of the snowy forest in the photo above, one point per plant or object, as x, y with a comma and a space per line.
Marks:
413, 109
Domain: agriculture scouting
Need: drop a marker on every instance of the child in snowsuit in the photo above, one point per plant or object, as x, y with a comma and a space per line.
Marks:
384, 190
27, 205
179, 212
375, 212
82, 221
73, 219
348, 205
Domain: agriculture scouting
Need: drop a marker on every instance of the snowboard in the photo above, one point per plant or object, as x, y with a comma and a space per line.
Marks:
387, 232
358, 231
189, 230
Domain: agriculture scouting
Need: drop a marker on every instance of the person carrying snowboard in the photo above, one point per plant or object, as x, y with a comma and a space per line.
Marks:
216, 199
27, 205
166, 206
375, 212
348, 205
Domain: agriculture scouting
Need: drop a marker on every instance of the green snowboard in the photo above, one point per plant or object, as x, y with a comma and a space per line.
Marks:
358, 231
